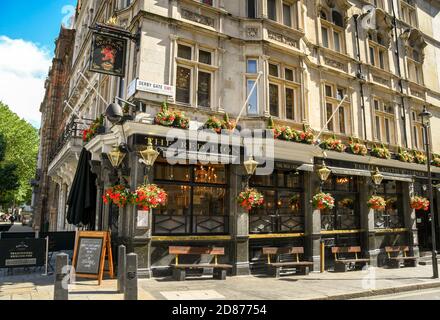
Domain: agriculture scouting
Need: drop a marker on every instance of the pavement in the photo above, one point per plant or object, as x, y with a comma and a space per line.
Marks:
316, 286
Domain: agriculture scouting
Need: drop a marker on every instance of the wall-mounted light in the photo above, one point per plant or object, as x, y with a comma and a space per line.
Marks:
116, 156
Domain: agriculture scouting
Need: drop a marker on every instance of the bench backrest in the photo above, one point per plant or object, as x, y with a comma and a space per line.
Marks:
340, 250
397, 250
273, 251
196, 251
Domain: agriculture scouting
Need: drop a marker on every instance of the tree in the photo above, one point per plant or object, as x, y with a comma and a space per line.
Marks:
18, 156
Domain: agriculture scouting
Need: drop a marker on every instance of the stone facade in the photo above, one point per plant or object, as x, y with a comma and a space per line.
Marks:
312, 53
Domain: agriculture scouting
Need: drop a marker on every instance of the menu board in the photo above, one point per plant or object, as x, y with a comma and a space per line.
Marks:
91, 250
17, 253
89, 255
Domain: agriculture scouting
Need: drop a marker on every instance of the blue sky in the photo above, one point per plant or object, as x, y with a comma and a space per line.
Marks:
28, 29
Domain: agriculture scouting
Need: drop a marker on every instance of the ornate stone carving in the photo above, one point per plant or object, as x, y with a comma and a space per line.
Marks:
283, 39
193, 16
381, 80
252, 32
334, 63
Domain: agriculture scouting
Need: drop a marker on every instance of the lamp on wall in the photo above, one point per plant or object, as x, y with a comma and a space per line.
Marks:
116, 156
377, 178
250, 166
323, 173
149, 157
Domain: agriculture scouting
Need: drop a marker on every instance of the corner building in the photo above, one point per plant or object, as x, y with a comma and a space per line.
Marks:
312, 54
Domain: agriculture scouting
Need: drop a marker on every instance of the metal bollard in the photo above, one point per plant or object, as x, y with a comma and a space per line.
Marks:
61, 271
122, 265
131, 278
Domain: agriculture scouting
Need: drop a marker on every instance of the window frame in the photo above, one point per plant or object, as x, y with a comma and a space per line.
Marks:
383, 115
334, 101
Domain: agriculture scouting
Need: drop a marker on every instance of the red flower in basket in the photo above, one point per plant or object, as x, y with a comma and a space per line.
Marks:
377, 203
149, 196
420, 203
250, 198
119, 195
323, 201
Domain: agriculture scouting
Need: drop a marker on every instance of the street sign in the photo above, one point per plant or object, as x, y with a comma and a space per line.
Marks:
150, 87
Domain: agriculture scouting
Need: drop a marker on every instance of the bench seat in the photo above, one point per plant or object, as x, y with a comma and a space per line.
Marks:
291, 264
201, 266
399, 254
353, 260
403, 258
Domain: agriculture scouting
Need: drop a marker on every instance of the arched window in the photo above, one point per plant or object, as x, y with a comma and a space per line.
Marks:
323, 15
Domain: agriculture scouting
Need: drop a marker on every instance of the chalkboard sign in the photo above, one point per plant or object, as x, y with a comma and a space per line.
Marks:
91, 251
18, 235
19, 253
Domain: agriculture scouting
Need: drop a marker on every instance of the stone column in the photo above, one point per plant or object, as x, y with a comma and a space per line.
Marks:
263, 10
409, 216
138, 239
368, 236
239, 225
312, 221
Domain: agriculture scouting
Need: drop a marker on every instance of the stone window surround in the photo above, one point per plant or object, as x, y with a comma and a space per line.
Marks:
412, 10
295, 12
195, 67
382, 116
284, 84
377, 49
335, 102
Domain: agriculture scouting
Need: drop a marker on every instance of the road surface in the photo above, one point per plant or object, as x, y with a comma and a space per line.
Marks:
429, 294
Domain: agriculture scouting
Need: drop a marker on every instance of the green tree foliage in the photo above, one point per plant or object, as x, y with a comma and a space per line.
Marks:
19, 146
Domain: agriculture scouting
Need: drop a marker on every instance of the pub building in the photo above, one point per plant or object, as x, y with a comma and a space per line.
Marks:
202, 209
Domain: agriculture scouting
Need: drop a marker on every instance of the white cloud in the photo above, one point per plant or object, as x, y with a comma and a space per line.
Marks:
23, 70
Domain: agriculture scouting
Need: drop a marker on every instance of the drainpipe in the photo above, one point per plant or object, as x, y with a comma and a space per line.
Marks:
359, 75
399, 71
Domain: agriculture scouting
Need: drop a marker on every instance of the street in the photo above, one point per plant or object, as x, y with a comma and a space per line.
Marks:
429, 294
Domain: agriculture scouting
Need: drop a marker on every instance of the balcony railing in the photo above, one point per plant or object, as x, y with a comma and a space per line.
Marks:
259, 224
73, 130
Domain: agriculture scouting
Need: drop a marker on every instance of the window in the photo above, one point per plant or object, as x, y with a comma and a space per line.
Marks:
379, 4
378, 54
345, 215
207, 2
274, 100
332, 32
204, 90
251, 78
283, 210
325, 41
183, 87
337, 41
194, 76
197, 202
415, 65
251, 9
418, 131
340, 123
337, 18
287, 14
384, 122
284, 92
392, 217
408, 12
272, 9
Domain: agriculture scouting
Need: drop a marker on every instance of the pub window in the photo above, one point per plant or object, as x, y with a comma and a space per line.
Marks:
392, 217
284, 92
340, 123
194, 74
345, 215
197, 202
283, 209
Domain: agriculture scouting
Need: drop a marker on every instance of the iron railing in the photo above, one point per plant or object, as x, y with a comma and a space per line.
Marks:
339, 222
260, 224
190, 225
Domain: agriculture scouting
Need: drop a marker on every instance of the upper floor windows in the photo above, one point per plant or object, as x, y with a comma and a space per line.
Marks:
251, 9
408, 12
417, 130
251, 79
415, 45
332, 30
194, 75
207, 2
283, 11
284, 92
339, 119
384, 121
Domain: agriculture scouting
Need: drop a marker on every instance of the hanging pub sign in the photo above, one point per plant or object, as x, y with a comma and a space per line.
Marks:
108, 54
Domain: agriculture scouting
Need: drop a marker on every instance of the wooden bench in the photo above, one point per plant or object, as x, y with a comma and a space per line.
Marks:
344, 257
274, 268
179, 270
394, 257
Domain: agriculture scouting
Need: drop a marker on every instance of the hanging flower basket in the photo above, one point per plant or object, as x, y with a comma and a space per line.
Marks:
118, 195
214, 124
180, 121
323, 201
377, 203
381, 152
250, 198
419, 203
306, 137
358, 148
149, 196
286, 133
420, 158
228, 124
165, 117
97, 127
333, 144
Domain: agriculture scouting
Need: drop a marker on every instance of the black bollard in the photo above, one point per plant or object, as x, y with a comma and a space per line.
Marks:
61, 290
131, 278
122, 265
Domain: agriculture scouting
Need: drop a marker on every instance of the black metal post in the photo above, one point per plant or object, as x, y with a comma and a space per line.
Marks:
431, 204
